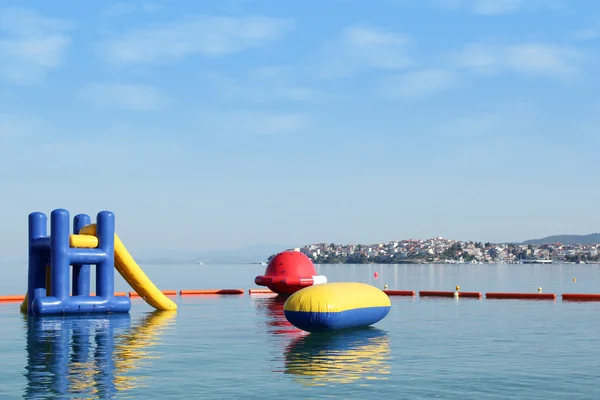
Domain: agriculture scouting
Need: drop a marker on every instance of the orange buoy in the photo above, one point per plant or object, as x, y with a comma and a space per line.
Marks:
521, 296
116, 294
165, 292
437, 293
12, 299
211, 291
581, 297
261, 291
399, 292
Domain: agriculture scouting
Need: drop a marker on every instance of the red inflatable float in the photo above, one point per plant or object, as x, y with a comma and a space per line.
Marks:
288, 272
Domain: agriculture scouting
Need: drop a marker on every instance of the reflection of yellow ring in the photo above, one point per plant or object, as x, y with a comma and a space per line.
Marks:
132, 348
128, 354
343, 357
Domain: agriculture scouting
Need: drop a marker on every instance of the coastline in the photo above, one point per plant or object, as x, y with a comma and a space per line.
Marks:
425, 262
440, 250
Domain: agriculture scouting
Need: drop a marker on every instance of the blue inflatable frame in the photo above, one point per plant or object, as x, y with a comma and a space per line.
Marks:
55, 251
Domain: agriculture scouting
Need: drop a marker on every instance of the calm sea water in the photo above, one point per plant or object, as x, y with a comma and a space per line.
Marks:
242, 346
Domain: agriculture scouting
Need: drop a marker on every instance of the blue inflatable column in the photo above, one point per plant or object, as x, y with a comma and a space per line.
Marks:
105, 275
81, 273
59, 255
62, 256
38, 254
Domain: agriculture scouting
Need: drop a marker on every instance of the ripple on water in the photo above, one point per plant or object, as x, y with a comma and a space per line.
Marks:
242, 346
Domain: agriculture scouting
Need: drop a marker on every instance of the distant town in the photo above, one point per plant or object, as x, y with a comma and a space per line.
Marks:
441, 250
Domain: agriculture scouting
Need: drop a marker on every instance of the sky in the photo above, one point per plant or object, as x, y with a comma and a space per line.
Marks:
210, 126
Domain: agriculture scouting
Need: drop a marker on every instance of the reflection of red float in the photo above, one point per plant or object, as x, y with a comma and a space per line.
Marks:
288, 272
272, 307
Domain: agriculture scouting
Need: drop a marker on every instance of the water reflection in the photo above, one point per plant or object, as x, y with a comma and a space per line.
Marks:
272, 308
88, 356
339, 357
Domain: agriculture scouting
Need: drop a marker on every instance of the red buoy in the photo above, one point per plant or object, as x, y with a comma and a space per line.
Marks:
288, 272
581, 297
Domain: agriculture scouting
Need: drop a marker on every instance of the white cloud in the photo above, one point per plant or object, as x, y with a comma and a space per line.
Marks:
533, 58
32, 46
587, 34
496, 7
120, 9
14, 126
541, 58
491, 7
122, 96
363, 47
448, 4
263, 85
517, 120
591, 32
200, 35
490, 137
254, 123
475, 126
362, 147
24, 22
420, 84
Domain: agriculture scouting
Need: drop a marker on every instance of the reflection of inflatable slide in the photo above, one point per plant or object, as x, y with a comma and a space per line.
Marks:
132, 350
51, 256
340, 357
84, 356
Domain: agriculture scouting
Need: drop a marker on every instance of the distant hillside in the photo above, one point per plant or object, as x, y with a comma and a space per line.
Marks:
592, 238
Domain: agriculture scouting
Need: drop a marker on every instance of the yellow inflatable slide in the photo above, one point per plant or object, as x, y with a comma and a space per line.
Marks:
128, 268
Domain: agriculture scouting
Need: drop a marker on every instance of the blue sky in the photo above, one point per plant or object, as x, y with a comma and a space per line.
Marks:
217, 125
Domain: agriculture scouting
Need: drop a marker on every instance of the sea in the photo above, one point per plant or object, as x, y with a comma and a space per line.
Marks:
241, 346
